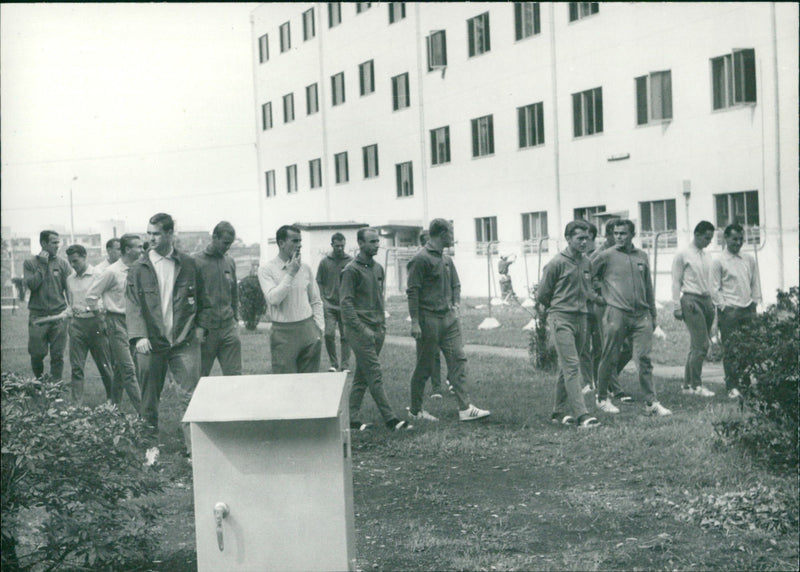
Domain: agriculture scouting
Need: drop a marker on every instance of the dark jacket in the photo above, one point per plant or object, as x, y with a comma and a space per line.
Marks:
219, 308
143, 302
432, 284
362, 290
624, 279
328, 278
47, 282
566, 284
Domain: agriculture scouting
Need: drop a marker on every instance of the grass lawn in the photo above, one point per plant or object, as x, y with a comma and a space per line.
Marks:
514, 492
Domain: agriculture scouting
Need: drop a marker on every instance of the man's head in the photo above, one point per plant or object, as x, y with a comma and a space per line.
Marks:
440, 231
161, 232
222, 237
703, 234
130, 246
610, 230
289, 241
423, 237
113, 251
734, 238
337, 243
368, 241
50, 241
624, 231
76, 256
577, 235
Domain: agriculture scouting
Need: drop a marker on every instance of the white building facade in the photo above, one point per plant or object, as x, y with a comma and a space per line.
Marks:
511, 119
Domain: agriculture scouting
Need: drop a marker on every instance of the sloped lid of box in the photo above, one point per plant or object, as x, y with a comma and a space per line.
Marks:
266, 397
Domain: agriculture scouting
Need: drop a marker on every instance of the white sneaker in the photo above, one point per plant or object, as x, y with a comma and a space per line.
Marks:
422, 415
656, 408
688, 390
607, 406
331, 369
703, 392
587, 389
734, 393
472, 413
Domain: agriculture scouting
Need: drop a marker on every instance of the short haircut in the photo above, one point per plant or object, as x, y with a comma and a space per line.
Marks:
438, 227
733, 227
126, 241
110, 243
362, 232
223, 226
164, 221
592, 231
610, 226
574, 226
626, 222
423, 237
283, 233
703, 227
337, 236
76, 249
44, 236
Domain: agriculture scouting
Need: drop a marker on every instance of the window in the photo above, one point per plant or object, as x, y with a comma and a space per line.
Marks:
437, 50
584, 213
270, 178
315, 173
263, 49
340, 161
291, 179
312, 101
658, 216
587, 112
478, 34
405, 179
482, 136
286, 37
308, 25
400, 96
653, 97
266, 116
741, 208
337, 88
370, 154
578, 10
440, 145
366, 77
397, 11
485, 233
362, 7
288, 108
733, 78
334, 14
534, 228
530, 123
526, 19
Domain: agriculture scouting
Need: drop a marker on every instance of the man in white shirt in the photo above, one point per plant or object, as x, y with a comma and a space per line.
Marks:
113, 253
294, 305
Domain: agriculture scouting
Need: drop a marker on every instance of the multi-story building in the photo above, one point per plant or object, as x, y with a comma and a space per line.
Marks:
511, 119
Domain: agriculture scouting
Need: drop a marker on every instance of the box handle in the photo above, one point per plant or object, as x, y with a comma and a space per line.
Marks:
221, 511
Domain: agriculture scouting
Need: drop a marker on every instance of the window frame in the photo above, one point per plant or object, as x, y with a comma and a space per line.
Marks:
582, 110
436, 158
313, 88
576, 10
334, 14
486, 225
315, 167
362, 7
521, 19
287, 44
646, 94
266, 116
397, 101
291, 179
530, 241
404, 173
286, 118
750, 201
263, 49
477, 44
530, 118
585, 213
367, 154
477, 138
335, 101
369, 64
648, 216
431, 45
737, 74
340, 160
393, 15
269, 178
306, 35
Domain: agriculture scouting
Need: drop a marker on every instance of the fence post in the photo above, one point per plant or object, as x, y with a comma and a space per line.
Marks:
489, 323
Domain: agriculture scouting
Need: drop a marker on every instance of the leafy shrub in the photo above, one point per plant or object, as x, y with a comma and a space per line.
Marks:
541, 350
252, 304
80, 471
769, 425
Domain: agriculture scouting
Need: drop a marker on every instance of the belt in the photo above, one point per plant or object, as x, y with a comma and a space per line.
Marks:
697, 295
84, 316
115, 313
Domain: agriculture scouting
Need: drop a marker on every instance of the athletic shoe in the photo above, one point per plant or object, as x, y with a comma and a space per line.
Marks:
397, 425
562, 419
734, 393
587, 388
472, 413
703, 392
607, 406
436, 395
450, 387
356, 426
331, 369
656, 408
587, 421
624, 397
688, 391
422, 415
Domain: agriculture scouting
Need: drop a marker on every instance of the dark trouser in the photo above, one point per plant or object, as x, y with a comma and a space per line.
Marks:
436, 373
698, 314
569, 332
89, 335
592, 351
733, 319
222, 344
333, 320
618, 325
439, 331
295, 346
124, 368
368, 374
50, 337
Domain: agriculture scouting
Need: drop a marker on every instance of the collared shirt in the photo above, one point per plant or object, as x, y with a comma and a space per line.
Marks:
432, 284
328, 277
290, 299
734, 280
220, 288
101, 267
165, 273
110, 287
47, 282
691, 274
566, 283
361, 292
624, 279
77, 288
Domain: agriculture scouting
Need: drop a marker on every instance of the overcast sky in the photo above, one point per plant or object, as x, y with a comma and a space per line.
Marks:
150, 106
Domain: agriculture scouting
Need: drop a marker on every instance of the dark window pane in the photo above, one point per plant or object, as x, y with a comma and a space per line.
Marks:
641, 100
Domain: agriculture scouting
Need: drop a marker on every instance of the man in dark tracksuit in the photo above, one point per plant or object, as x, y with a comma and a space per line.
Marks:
219, 313
362, 310
328, 276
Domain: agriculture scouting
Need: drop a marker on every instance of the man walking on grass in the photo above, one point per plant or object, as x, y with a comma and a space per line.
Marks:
692, 303
362, 291
434, 294
564, 292
328, 277
623, 273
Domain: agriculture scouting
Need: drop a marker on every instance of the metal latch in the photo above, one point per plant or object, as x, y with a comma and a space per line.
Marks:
221, 511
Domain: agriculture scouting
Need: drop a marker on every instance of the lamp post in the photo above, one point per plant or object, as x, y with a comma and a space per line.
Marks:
71, 217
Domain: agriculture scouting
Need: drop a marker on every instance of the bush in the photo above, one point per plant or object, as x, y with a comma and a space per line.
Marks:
252, 304
70, 480
541, 350
769, 425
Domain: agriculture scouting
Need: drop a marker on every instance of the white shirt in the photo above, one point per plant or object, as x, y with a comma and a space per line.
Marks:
110, 286
165, 274
290, 299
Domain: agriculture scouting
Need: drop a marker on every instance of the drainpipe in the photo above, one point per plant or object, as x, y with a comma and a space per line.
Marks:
423, 170
259, 165
777, 127
321, 101
553, 71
